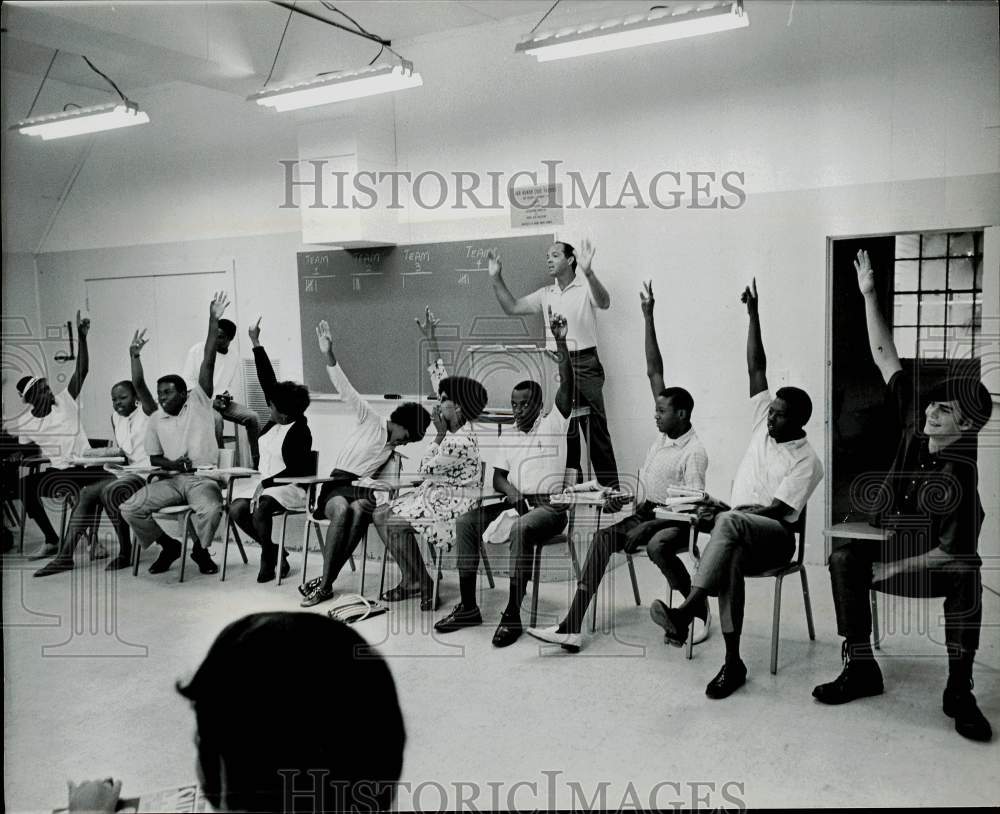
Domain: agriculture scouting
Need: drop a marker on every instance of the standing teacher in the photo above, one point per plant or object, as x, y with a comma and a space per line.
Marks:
578, 300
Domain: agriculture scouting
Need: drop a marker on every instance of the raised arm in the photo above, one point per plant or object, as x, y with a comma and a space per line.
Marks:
428, 328
880, 340
265, 371
654, 362
756, 360
584, 259
564, 395
206, 373
138, 378
325, 340
82, 357
510, 305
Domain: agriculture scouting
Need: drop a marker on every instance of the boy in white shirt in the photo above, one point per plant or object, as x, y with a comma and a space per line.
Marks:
225, 382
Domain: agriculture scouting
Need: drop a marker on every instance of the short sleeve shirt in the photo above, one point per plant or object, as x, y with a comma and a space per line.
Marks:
191, 432
670, 461
535, 461
788, 471
576, 304
60, 434
931, 499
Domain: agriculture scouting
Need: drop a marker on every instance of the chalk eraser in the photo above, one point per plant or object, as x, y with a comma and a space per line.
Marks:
392, 396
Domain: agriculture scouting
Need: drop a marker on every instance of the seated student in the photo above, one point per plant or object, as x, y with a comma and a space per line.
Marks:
453, 461
285, 452
530, 466
52, 423
272, 762
365, 451
935, 514
181, 438
777, 475
676, 458
128, 426
227, 369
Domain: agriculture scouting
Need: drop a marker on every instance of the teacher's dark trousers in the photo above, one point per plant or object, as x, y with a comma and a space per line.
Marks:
589, 379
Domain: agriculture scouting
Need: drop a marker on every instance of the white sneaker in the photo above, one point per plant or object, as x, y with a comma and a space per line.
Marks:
568, 641
702, 629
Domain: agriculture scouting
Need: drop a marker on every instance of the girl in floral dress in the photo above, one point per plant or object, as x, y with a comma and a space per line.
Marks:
451, 462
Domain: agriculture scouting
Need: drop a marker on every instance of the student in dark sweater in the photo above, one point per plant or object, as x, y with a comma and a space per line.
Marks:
932, 514
285, 452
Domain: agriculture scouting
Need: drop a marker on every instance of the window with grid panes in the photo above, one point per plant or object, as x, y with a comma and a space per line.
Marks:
938, 295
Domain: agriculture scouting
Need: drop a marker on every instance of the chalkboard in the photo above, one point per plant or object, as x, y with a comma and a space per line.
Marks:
371, 296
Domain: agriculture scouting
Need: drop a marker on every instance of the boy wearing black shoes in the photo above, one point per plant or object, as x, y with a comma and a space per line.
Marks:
180, 438
933, 518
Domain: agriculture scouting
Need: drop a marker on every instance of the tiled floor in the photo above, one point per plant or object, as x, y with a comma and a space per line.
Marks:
90, 667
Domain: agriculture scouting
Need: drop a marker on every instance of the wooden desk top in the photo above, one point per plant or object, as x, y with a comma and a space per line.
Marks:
857, 530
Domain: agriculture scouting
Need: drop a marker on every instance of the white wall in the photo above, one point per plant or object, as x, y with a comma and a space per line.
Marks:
847, 118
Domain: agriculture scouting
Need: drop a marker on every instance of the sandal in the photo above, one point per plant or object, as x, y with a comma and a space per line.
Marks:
400, 593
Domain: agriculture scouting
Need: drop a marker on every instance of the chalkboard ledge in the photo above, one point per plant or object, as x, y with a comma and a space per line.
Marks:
368, 397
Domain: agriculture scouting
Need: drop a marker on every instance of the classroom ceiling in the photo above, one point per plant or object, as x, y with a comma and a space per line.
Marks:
231, 46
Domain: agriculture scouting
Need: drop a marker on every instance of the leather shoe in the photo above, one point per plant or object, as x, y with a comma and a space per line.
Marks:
969, 720
729, 679
55, 566
459, 617
674, 624
266, 572
119, 562
170, 550
860, 678
508, 631
204, 561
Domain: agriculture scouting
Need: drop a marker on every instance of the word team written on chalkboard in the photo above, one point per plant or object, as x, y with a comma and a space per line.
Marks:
371, 297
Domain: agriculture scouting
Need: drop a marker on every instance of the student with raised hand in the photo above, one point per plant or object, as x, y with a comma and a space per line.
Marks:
529, 468
676, 458
933, 514
452, 460
578, 300
269, 762
778, 473
180, 438
285, 452
131, 404
52, 424
365, 451
226, 380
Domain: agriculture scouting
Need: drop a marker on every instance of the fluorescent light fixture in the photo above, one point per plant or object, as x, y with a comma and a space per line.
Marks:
339, 87
83, 120
659, 25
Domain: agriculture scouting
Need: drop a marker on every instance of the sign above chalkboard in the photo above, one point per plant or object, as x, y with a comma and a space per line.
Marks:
371, 296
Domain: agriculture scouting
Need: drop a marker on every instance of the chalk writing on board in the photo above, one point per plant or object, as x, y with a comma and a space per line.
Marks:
464, 280
315, 259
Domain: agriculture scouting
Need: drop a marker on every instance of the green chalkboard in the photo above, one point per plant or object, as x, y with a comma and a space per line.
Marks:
371, 296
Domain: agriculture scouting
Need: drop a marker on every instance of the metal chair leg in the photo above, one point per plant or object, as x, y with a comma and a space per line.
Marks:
136, 552
808, 604
184, 545
438, 557
631, 573
364, 560
281, 544
381, 582
486, 562
225, 545
239, 545
536, 569
775, 625
875, 631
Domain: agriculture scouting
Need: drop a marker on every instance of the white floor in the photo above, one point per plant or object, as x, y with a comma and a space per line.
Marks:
90, 667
